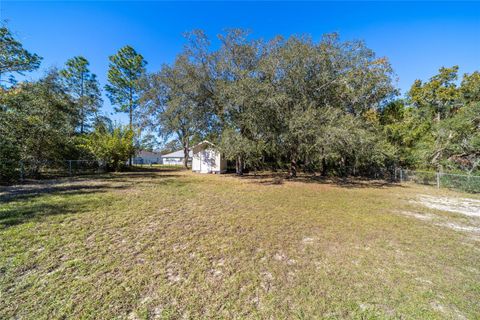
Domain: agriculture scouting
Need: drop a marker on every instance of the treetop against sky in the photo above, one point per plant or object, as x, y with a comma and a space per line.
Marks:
418, 38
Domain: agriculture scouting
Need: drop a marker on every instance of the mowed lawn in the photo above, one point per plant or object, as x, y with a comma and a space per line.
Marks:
167, 244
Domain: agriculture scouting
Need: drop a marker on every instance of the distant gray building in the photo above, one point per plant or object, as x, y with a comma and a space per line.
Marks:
147, 157
176, 158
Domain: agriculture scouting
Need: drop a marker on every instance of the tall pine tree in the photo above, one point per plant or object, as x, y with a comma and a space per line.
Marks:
83, 87
125, 69
13, 57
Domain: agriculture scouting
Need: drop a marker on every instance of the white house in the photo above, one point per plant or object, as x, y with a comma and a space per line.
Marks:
207, 159
176, 158
147, 157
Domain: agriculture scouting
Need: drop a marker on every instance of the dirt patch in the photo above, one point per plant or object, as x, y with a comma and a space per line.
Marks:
465, 206
417, 215
459, 227
441, 221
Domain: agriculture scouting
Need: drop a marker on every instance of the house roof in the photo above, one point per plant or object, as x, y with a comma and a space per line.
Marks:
147, 153
176, 154
202, 143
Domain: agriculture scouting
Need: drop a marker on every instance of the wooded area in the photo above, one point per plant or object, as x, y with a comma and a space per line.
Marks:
330, 107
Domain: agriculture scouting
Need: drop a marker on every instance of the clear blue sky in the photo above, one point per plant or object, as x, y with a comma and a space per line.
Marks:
418, 38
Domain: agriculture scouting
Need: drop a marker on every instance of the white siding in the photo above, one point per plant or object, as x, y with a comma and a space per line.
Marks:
172, 161
196, 162
207, 160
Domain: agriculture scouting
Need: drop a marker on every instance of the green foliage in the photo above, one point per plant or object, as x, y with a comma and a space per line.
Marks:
9, 149
281, 99
148, 142
83, 87
443, 128
322, 106
403, 128
235, 146
38, 122
113, 147
470, 87
171, 146
13, 57
437, 98
459, 139
284, 93
125, 69
175, 101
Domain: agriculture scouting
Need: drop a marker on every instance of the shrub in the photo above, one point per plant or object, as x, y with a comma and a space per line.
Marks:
112, 147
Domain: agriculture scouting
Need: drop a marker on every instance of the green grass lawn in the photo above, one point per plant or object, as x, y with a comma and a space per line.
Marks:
168, 244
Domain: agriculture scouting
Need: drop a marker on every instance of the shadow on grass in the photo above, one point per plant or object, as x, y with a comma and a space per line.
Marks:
53, 187
38, 187
21, 203
20, 210
138, 173
277, 178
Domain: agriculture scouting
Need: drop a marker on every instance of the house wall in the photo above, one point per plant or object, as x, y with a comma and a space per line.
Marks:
196, 162
146, 159
173, 161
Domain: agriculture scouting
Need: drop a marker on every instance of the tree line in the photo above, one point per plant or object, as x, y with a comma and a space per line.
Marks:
327, 106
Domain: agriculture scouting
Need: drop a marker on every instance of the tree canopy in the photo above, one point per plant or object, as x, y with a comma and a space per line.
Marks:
327, 106
83, 87
14, 58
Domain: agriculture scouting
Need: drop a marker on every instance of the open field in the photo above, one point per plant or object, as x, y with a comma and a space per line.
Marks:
165, 243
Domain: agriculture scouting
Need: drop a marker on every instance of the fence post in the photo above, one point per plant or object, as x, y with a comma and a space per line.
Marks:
401, 175
438, 180
70, 167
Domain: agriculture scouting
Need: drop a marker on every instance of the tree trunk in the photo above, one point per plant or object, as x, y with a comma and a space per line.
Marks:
239, 165
130, 110
293, 168
82, 125
185, 154
82, 107
324, 168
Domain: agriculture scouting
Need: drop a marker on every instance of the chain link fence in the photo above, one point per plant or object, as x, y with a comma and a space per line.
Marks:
468, 183
60, 168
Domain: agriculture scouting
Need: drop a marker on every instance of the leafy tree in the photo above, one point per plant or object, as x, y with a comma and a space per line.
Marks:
311, 80
125, 69
9, 145
235, 146
324, 105
439, 129
239, 93
437, 98
403, 128
102, 122
39, 120
13, 57
148, 142
113, 147
171, 146
470, 87
84, 88
175, 100
457, 139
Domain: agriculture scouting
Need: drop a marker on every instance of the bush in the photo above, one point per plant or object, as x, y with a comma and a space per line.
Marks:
113, 147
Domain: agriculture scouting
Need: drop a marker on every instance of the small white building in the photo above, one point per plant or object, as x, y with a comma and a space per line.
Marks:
147, 157
207, 159
176, 158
